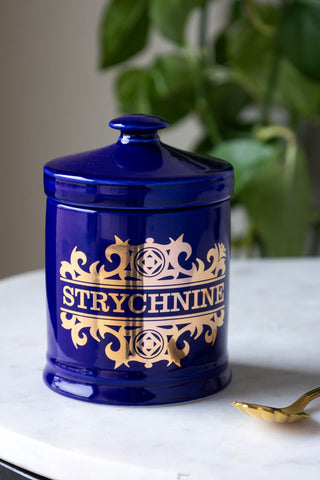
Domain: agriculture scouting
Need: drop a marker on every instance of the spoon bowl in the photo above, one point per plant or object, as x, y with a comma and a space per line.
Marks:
292, 413
269, 414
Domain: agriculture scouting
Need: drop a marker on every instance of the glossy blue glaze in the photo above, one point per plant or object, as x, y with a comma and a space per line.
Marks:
140, 173
143, 335
138, 123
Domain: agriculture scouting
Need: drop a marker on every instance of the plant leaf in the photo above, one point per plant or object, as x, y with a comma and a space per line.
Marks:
133, 88
279, 216
124, 31
246, 155
300, 37
170, 16
166, 89
174, 86
226, 100
250, 56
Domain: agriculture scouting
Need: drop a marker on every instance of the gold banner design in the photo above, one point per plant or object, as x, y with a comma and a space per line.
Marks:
146, 267
140, 342
147, 264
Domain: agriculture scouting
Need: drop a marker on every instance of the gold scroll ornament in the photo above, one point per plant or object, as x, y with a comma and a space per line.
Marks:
149, 266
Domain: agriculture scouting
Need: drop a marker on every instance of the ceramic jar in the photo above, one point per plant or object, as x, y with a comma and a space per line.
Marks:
137, 270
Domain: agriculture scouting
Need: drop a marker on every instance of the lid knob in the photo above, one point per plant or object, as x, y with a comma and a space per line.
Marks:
138, 123
138, 128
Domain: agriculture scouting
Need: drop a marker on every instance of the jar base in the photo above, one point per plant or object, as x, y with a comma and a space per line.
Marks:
125, 393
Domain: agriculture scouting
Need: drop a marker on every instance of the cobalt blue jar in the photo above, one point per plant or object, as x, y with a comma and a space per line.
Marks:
137, 270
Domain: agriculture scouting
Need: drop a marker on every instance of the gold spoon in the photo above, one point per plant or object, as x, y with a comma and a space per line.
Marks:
292, 413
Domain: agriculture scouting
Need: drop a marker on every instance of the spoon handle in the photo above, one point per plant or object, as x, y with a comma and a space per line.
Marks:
304, 399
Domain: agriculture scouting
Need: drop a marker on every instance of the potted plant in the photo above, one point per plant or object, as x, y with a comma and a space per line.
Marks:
255, 89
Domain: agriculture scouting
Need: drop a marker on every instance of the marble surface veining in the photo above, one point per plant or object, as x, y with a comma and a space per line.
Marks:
274, 334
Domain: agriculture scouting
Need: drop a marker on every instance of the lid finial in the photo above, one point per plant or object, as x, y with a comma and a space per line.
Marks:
138, 123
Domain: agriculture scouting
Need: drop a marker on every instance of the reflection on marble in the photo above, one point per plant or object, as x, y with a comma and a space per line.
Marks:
274, 351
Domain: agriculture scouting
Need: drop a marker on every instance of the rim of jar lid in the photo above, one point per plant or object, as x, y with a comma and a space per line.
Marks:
84, 192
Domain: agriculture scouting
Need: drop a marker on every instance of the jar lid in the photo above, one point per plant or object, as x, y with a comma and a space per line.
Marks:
138, 172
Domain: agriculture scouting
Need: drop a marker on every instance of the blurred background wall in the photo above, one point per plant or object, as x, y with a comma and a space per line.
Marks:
54, 101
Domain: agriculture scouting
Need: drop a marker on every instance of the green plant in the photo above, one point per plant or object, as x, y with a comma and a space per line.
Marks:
253, 86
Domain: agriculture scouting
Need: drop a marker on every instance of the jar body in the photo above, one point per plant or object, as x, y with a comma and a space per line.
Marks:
137, 303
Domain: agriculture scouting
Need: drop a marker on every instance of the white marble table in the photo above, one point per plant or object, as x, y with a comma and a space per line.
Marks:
274, 351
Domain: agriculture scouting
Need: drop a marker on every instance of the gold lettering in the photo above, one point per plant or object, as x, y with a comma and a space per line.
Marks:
184, 303
138, 303
195, 299
206, 295
212, 295
131, 300
162, 303
101, 301
118, 301
82, 293
68, 298
220, 293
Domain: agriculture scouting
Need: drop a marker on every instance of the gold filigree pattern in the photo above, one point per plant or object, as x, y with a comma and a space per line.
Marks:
146, 264
163, 303
140, 343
